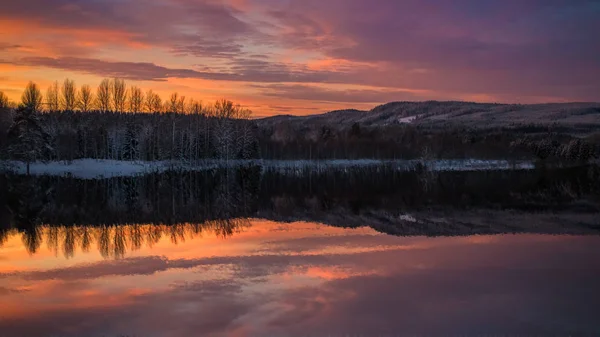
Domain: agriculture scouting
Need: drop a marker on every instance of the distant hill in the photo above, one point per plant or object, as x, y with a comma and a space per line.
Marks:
582, 117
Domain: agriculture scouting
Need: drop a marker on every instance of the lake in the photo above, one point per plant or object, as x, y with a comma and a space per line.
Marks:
254, 252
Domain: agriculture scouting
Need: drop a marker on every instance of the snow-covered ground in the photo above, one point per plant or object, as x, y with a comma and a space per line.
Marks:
408, 120
92, 168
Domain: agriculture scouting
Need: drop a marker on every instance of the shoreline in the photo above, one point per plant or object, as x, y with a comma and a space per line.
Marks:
102, 168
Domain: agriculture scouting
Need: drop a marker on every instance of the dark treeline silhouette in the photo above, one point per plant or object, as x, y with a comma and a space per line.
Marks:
391, 201
124, 123
291, 141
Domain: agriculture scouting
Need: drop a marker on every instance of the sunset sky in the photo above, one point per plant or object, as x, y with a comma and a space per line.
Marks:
310, 56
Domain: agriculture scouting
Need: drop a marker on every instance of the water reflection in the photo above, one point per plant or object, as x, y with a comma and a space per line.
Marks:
296, 279
116, 240
395, 202
254, 253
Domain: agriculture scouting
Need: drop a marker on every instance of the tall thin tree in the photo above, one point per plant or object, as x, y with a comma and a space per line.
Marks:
85, 98
103, 95
52, 98
68, 95
32, 97
119, 94
136, 99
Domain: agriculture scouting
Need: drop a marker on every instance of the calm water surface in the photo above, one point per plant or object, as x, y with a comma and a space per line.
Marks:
294, 279
369, 252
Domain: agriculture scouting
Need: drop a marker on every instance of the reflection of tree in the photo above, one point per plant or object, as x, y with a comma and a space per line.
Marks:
107, 213
26, 202
116, 241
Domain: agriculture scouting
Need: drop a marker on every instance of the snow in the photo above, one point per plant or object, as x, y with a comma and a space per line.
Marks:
94, 169
408, 120
87, 168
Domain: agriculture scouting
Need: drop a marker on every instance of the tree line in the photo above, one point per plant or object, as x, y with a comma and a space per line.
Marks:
110, 95
114, 121
123, 123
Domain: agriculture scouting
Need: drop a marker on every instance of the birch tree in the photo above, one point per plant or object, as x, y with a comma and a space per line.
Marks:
85, 98
119, 94
32, 97
68, 95
136, 99
173, 103
103, 95
153, 102
52, 99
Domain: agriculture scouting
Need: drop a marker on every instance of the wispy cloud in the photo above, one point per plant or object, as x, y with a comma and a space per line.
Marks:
515, 51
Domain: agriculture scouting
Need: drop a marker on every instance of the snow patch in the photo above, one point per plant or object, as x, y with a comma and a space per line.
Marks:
408, 120
94, 168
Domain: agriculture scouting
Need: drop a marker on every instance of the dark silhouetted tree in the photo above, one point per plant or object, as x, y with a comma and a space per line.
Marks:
52, 98
85, 98
32, 97
119, 94
103, 95
28, 139
68, 97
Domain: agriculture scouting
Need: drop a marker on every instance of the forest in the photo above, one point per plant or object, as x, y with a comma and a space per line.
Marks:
118, 122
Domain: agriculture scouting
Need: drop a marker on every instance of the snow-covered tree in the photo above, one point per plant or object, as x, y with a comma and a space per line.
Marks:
131, 142
28, 139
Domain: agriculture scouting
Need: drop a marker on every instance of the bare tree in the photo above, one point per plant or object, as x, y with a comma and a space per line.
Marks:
153, 103
103, 95
194, 107
136, 99
181, 105
52, 100
173, 103
68, 95
32, 97
85, 98
3, 100
119, 94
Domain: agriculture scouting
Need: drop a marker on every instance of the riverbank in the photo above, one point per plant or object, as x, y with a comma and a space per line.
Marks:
94, 168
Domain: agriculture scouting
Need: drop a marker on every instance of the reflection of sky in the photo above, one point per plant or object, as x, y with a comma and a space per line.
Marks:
294, 279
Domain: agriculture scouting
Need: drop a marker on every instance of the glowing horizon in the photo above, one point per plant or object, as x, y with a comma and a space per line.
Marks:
306, 57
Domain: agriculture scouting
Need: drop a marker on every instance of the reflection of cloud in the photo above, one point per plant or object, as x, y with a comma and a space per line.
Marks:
131, 266
210, 287
509, 285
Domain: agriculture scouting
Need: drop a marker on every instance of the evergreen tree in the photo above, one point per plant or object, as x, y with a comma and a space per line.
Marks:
28, 139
